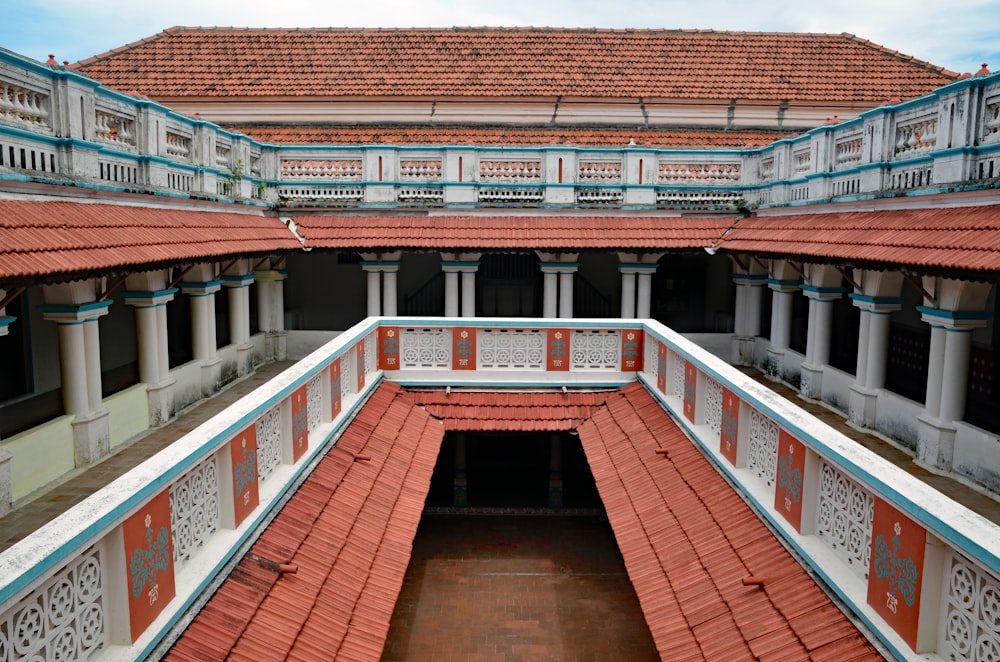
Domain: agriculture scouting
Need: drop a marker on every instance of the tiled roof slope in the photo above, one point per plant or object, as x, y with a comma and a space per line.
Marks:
688, 540
349, 529
38, 239
509, 232
509, 412
512, 62
445, 134
951, 238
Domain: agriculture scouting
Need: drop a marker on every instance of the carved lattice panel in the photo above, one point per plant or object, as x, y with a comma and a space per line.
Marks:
651, 363
595, 349
677, 385
194, 509
971, 628
713, 405
511, 348
426, 348
844, 518
314, 402
63, 619
762, 447
346, 376
371, 355
268, 442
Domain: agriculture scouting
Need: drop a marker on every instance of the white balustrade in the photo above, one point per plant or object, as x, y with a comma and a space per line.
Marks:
22, 106
915, 138
595, 349
599, 172
425, 348
848, 151
677, 383
194, 509
762, 447
115, 130
844, 518
268, 442
713, 405
178, 146
522, 349
420, 170
699, 174
991, 123
802, 161
510, 172
314, 401
971, 615
345, 169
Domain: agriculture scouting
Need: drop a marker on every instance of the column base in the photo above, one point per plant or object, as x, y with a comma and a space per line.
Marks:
811, 381
244, 359
161, 402
211, 377
744, 350
861, 406
276, 346
936, 443
774, 363
91, 438
6, 487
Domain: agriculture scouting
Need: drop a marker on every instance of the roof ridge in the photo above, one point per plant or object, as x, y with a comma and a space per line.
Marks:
900, 56
127, 47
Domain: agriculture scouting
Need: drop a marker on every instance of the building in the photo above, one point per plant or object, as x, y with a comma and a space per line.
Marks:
831, 220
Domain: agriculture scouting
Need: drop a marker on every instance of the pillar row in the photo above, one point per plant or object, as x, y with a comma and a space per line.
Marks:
636, 289
203, 343
460, 287
382, 287
873, 355
152, 343
818, 337
782, 296
558, 294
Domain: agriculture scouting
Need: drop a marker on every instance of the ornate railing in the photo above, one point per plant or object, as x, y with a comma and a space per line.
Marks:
135, 143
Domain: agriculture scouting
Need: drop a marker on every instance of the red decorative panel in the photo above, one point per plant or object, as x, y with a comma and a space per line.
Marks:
388, 348
557, 350
243, 451
359, 355
661, 367
791, 470
149, 557
300, 423
896, 572
690, 389
632, 350
463, 349
730, 432
335, 388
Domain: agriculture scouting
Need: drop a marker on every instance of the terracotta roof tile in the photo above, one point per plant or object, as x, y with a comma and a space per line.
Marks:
44, 238
447, 134
512, 62
671, 540
510, 231
953, 237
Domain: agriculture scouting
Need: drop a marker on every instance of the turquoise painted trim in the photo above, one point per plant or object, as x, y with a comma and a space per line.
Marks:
21, 134
559, 265
784, 283
459, 263
766, 511
7, 321
192, 284
83, 307
242, 281
877, 300
955, 315
823, 290
637, 265
751, 277
135, 294
554, 383
990, 557
380, 263
514, 322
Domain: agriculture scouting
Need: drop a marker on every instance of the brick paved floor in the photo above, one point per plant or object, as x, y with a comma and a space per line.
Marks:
517, 587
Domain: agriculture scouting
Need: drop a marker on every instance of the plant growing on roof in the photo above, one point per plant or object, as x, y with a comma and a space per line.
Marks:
233, 177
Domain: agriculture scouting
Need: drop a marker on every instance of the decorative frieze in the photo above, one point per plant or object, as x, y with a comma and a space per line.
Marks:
326, 194
421, 194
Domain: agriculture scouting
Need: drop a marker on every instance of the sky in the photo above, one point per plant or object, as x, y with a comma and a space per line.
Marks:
959, 35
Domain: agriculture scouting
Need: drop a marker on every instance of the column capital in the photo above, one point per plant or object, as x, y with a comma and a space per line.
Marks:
784, 286
244, 280
149, 299
822, 293
380, 265
62, 314
877, 304
270, 275
559, 267
197, 289
636, 268
459, 266
6, 321
954, 320
753, 280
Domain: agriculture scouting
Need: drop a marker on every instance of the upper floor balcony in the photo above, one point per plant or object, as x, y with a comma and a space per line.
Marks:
60, 127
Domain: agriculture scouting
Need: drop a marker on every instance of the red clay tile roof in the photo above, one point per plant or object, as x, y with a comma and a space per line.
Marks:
349, 529
512, 62
953, 238
509, 412
446, 134
688, 540
510, 232
44, 238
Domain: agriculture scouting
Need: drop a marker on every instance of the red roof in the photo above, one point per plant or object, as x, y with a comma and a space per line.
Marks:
349, 530
688, 540
686, 537
513, 62
954, 237
509, 412
446, 134
496, 231
67, 238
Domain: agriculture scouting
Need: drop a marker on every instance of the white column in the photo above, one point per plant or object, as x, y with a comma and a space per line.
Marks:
374, 292
92, 343
264, 319
469, 292
821, 339
935, 372
239, 315
389, 290
954, 380
628, 292
781, 313
861, 368
754, 299
566, 294
645, 293
278, 302
73, 369
878, 345
162, 339
739, 307
154, 361
550, 301
450, 292
200, 326
146, 340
